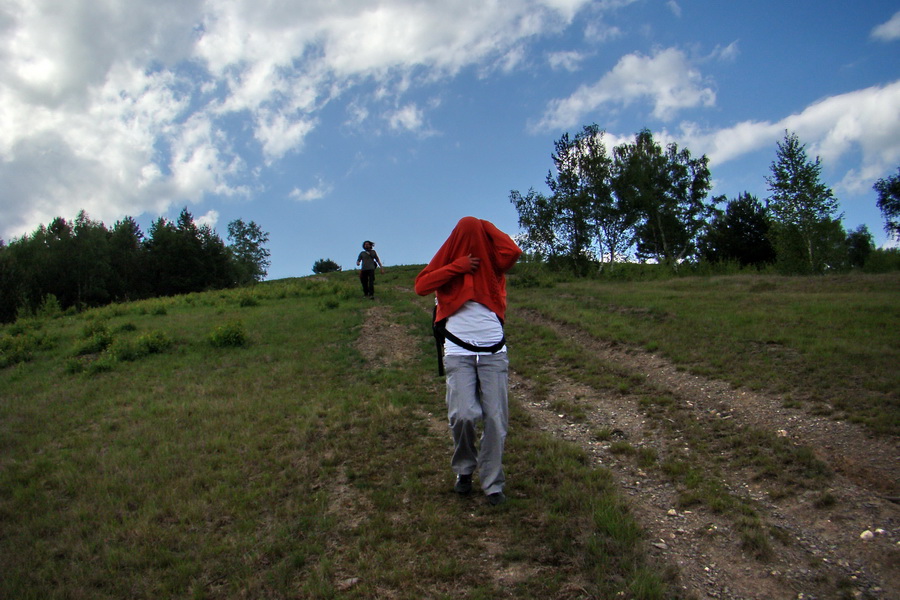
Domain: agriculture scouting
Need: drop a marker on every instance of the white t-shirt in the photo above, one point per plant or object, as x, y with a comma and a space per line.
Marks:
475, 324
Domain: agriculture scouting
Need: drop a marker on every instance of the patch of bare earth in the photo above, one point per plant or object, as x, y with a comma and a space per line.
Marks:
821, 552
383, 341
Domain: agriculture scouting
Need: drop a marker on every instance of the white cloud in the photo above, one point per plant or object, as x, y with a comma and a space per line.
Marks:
865, 120
569, 61
727, 54
674, 7
667, 80
889, 31
280, 132
211, 218
131, 106
357, 115
409, 118
599, 32
319, 191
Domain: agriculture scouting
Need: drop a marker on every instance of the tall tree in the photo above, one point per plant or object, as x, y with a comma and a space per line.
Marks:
612, 218
583, 214
571, 202
889, 203
10, 284
90, 261
219, 267
55, 248
801, 205
860, 246
128, 261
740, 233
537, 218
165, 254
667, 189
248, 249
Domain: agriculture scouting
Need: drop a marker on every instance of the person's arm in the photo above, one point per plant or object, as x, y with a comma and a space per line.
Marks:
429, 281
378, 262
508, 251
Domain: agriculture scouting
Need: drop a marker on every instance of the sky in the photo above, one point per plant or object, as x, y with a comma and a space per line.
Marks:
328, 123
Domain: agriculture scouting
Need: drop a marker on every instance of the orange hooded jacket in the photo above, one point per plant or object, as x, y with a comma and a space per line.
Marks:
448, 276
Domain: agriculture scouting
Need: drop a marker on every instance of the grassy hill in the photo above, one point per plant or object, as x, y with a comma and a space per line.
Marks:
241, 444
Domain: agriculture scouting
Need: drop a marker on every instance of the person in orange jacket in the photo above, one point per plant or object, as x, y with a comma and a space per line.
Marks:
467, 276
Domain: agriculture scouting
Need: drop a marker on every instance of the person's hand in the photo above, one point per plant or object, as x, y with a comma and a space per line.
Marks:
474, 263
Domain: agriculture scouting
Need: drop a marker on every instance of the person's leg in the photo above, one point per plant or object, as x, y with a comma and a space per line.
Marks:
493, 378
367, 276
463, 411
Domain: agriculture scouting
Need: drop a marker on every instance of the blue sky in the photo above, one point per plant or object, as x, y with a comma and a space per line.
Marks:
328, 123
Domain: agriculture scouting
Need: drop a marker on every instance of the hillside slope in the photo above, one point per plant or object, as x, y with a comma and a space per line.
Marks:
289, 441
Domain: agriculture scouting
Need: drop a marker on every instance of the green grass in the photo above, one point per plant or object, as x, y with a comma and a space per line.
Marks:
236, 444
704, 324
830, 342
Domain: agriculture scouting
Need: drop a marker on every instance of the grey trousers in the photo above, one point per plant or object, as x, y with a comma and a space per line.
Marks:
477, 391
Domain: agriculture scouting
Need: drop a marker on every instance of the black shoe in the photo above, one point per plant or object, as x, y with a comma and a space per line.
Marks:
463, 484
496, 499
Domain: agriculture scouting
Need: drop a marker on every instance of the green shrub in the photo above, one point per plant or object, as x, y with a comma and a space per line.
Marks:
325, 265
97, 342
125, 350
883, 260
154, 342
50, 307
248, 300
16, 349
74, 366
531, 275
105, 362
93, 328
231, 334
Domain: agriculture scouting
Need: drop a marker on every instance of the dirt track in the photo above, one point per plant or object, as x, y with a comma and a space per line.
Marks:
819, 553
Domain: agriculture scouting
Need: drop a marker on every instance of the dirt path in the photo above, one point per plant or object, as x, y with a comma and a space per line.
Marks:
848, 549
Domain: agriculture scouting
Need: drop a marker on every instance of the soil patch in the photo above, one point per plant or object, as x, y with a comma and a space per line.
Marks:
823, 553
849, 549
383, 341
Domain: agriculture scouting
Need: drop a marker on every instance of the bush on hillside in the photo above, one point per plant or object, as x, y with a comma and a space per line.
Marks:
325, 265
231, 334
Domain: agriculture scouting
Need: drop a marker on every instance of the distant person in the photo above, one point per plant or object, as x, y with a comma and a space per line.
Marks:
369, 260
467, 276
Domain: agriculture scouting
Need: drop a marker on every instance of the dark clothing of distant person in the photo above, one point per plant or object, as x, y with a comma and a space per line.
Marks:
369, 260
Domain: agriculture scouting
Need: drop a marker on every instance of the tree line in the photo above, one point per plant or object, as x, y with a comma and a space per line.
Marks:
83, 263
643, 201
